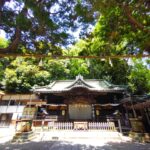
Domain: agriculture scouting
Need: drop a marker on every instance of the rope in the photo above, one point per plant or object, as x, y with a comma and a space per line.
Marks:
75, 57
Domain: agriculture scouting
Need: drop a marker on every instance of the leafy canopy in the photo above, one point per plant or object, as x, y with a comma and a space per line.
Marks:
21, 75
48, 22
139, 78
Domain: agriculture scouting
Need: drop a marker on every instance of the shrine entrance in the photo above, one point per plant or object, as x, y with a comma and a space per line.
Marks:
80, 112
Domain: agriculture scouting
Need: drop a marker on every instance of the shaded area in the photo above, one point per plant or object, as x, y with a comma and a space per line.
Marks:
61, 145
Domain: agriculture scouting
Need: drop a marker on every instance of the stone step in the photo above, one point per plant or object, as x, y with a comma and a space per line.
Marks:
80, 135
22, 140
23, 137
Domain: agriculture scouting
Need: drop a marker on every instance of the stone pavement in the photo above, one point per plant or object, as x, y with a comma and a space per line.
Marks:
70, 141
68, 135
76, 145
6, 134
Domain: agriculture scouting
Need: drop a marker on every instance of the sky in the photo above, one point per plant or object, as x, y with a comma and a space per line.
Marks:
2, 34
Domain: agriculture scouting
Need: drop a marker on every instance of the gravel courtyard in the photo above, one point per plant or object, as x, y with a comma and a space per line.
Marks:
44, 142
63, 145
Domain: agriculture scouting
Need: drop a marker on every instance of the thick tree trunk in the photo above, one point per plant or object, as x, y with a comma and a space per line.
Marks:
17, 36
14, 45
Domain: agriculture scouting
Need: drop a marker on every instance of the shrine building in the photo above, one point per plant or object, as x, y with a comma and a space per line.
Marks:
79, 100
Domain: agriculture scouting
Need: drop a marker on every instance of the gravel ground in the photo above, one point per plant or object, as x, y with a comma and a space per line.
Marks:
43, 142
63, 145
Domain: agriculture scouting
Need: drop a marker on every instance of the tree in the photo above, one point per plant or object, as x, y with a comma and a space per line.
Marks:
3, 61
120, 30
21, 75
139, 78
50, 22
30, 22
77, 66
44, 27
57, 68
109, 69
3, 42
123, 23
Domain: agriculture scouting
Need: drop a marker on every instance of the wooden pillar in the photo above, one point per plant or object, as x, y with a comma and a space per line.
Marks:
29, 114
119, 125
147, 117
93, 112
67, 113
126, 116
134, 112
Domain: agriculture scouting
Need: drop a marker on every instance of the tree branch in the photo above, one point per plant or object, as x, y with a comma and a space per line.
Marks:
133, 21
16, 39
14, 45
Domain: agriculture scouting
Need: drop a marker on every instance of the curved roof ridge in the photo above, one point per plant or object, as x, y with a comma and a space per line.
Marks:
51, 85
107, 83
79, 81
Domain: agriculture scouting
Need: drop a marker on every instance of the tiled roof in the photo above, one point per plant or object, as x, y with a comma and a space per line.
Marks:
67, 85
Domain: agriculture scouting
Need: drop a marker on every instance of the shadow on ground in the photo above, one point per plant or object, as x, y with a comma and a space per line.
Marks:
62, 145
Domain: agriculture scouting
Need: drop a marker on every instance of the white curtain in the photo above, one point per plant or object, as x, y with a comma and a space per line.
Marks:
80, 111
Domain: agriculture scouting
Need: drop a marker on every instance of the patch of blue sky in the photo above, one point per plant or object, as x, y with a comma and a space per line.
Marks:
14, 5
2, 33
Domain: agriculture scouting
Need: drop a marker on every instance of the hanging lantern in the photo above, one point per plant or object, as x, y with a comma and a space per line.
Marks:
63, 112
97, 112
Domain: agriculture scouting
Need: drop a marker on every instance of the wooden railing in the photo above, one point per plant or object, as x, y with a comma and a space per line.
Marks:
107, 126
102, 126
60, 125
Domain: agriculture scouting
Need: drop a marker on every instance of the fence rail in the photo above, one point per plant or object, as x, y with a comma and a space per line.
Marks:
61, 125
102, 126
107, 126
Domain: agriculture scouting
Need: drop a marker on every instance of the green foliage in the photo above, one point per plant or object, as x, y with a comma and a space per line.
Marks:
139, 78
3, 42
57, 68
22, 75
122, 28
114, 71
43, 21
76, 67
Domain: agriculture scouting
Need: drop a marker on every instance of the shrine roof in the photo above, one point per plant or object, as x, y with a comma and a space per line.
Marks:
67, 85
